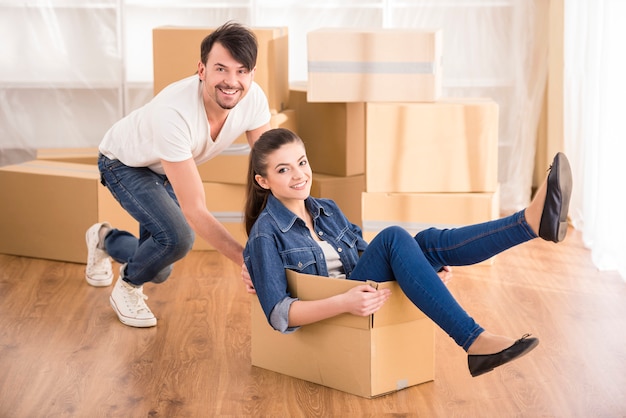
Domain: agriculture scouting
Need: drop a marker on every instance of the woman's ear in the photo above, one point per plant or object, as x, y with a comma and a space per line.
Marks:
261, 181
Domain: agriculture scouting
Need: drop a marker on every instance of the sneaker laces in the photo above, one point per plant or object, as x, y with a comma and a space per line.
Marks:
97, 261
135, 299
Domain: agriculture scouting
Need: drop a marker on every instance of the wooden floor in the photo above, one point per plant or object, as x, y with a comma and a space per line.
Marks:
64, 353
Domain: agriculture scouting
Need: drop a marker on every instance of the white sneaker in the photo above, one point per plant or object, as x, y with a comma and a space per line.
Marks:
128, 303
98, 271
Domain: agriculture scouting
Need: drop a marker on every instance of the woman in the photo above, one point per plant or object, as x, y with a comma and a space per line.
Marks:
288, 229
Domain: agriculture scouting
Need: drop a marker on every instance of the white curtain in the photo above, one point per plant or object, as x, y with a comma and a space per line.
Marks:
595, 88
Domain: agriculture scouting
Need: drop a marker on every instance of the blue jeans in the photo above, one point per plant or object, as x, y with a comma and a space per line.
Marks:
414, 262
164, 234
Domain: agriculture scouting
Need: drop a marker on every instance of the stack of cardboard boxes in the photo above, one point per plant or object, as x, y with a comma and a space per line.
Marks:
428, 161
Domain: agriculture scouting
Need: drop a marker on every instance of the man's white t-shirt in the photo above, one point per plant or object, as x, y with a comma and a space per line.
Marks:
173, 127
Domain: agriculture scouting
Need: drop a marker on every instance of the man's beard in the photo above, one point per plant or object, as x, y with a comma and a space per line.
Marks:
220, 102
224, 106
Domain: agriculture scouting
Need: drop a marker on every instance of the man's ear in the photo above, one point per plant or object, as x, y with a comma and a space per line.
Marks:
261, 181
201, 70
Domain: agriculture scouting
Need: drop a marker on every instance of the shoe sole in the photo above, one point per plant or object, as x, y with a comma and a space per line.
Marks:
562, 175
522, 354
145, 323
565, 183
99, 283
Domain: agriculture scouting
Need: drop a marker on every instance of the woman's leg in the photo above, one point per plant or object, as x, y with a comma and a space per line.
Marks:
395, 255
165, 236
475, 243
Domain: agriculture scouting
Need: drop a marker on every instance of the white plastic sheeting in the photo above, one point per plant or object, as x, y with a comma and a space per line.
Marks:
71, 68
595, 65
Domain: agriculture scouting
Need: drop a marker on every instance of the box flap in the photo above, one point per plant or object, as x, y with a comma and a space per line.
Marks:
398, 309
55, 168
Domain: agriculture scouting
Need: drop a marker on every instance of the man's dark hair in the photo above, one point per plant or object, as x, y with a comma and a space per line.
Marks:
237, 39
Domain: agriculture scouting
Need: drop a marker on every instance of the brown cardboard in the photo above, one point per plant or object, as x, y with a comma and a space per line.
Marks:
48, 206
334, 133
176, 52
87, 155
374, 65
225, 202
418, 211
447, 146
430, 209
366, 356
231, 166
345, 191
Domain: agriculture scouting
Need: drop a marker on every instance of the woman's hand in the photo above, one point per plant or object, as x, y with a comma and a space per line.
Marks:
247, 281
364, 300
445, 274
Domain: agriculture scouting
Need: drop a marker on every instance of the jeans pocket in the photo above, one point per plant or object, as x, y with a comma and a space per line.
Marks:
108, 171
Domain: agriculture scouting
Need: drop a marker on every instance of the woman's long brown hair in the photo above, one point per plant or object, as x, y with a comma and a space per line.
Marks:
256, 196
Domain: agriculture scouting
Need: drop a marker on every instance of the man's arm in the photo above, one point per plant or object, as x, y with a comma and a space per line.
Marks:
254, 134
188, 187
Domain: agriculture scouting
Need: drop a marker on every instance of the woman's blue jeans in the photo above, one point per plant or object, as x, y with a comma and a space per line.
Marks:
164, 234
414, 262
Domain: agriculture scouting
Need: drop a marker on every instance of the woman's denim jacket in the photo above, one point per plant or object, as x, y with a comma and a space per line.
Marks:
280, 240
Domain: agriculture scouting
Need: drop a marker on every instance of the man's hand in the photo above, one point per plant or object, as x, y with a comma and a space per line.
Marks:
245, 276
445, 274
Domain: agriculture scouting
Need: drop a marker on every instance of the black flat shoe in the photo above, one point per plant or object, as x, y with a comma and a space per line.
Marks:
553, 225
483, 363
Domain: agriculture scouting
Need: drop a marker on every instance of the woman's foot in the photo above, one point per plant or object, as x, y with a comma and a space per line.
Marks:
488, 343
547, 212
482, 363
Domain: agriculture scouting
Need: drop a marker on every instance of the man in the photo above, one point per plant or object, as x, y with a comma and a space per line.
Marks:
149, 159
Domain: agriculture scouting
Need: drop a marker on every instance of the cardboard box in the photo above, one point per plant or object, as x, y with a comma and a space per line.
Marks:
374, 65
345, 191
334, 133
418, 211
226, 202
176, 53
87, 155
48, 207
231, 166
366, 356
447, 146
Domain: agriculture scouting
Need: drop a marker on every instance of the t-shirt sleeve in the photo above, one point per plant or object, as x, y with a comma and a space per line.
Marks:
260, 110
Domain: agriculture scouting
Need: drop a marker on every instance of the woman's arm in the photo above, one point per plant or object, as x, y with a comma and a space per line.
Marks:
361, 300
267, 271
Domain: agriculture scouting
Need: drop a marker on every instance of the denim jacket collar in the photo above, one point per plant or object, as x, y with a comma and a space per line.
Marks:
285, 218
